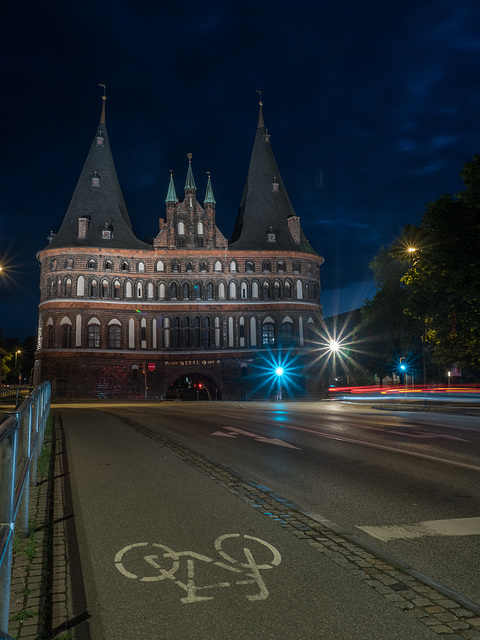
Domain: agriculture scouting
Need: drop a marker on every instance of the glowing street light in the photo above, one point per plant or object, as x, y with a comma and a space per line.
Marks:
279, 371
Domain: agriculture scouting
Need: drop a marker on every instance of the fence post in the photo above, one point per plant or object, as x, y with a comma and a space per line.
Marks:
23, 508
8, 464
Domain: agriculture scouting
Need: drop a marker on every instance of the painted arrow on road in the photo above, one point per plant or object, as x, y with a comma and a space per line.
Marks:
234, 433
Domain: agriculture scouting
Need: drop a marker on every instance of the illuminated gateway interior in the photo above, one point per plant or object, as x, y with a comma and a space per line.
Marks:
192, 316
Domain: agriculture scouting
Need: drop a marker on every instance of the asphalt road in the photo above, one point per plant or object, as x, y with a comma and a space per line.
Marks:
165, 552
362, 468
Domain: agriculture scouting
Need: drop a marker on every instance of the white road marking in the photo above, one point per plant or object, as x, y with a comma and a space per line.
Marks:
450, 527
373, 445
251, 568
255, 436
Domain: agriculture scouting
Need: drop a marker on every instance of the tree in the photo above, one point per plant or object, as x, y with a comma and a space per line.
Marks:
385, 332
443, 282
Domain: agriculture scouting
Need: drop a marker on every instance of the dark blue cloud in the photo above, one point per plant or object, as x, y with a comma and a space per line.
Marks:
372, 107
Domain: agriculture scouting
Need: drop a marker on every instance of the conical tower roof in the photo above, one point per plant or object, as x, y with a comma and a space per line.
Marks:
190, 180
171, 193
209, 197
265, 206
98, 198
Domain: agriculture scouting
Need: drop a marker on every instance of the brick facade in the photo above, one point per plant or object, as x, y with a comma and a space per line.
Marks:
132, 321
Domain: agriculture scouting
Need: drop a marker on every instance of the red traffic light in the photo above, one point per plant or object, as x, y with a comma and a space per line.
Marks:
200, 385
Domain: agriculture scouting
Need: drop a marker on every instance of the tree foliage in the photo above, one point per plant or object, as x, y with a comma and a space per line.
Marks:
443, 282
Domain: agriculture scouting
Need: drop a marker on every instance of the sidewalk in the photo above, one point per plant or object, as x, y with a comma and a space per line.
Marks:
326, 585
39, 588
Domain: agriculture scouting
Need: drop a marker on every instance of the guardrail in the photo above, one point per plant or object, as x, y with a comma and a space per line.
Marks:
21, 438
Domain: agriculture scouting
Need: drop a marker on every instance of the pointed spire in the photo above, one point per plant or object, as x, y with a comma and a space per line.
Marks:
209, 197
171, 193
262, 220
261, 123
190, 181
104, 99
97, 197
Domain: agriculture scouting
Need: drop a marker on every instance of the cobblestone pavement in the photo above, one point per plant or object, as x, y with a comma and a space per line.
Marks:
40, 586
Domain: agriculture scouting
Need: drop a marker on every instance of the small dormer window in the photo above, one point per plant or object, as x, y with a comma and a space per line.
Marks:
82, 227
275, 184
96, 179
270, 237
100, 140
106, 234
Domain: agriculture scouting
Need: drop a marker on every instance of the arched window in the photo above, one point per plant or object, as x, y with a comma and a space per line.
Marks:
268, 333
92, 264
196, 333
80, 286
66, 333
93, 336
218, 266
218, 333
253, 332
139, 290
200, 228
254, 290
68, 288
307, 291
299, 290
166, 333
105, 288
175, 333
296, 266
197, 288
141, 267
160, 266
181, 229
131, 333
230, 332
266, 290
161, 291
209, 291
233, 266
241, 332
266, 266
93, 289
150, 291
189, 266
232, 292
128, 289
114, 336
186, 333
173, 291
108, 265
249, 266
125, 266
244, 290
50, 336
276, 290
143, 333
221, 291
207, 333
185, 291
280, 266
287, 290
116, 290
287, 332
203, 266
69, 263
175, 266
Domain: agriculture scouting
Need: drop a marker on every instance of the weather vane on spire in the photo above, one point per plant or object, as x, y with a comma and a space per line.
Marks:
189, 156
104, 97
261, 101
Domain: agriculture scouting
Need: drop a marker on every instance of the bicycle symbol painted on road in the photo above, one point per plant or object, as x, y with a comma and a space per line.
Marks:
243, 555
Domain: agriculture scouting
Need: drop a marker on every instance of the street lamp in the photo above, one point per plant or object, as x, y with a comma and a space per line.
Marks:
279, 371
17, 353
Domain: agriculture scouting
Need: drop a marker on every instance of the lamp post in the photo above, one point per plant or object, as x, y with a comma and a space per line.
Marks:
17, 353
412, 250
279, 371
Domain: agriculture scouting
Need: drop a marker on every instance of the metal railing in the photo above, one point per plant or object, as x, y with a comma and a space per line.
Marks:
21, 438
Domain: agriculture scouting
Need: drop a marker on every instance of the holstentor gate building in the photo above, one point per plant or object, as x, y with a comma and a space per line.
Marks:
192, 313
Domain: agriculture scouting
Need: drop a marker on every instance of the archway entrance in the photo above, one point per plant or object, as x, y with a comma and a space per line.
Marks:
193, 387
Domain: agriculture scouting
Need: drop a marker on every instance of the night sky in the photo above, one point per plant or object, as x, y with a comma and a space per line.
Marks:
372, 108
